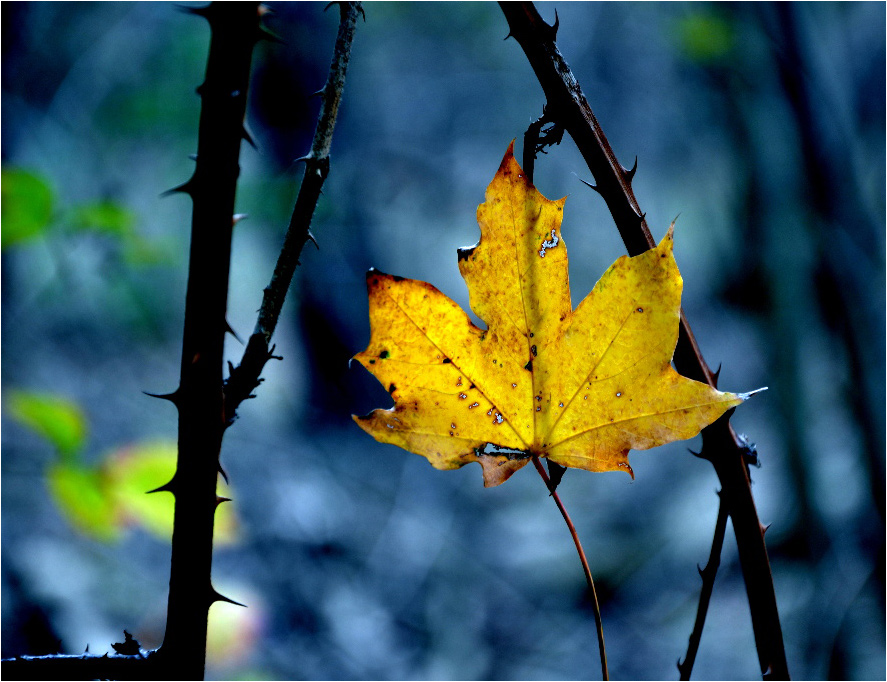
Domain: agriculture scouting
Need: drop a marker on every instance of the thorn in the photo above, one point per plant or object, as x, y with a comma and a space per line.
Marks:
701, 454
185, 188
86, 651
510, 35
313, 240
196, 11
341, 5
222, 471
629, 173
237, 217
220, 499
317, 93
234, 334
594, 187
305, 158
193, 157
641, 217
701, 570
244, 133
717, 374
263, 33
271, 355
764, 528
746, 396
171, 397
215, 596
554, 28
168, 487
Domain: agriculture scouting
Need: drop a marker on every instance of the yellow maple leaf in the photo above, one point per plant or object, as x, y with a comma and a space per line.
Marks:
581, 387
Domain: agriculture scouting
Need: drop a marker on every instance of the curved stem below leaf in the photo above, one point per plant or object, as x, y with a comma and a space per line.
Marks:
597, 610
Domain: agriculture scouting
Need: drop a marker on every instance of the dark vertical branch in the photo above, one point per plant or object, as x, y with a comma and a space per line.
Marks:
245, 377
199, 398
567, 105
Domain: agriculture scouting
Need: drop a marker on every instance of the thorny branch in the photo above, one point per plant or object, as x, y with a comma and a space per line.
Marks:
567, 104
243, 379
708, 575
235, 29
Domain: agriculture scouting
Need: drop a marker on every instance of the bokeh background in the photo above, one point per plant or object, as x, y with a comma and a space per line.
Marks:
762, 125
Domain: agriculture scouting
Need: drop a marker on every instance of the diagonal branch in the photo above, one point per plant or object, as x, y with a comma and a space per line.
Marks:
708, 575
244, 378
567, 104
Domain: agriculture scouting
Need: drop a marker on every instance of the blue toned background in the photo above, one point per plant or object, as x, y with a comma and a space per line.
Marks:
762, 125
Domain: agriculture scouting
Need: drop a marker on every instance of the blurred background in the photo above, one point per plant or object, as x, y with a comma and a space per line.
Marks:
762, 125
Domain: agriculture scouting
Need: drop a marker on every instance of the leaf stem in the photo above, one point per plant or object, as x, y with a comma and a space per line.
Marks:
597, 609
708, 582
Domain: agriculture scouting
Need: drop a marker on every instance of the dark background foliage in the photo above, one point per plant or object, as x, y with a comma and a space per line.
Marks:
762, 125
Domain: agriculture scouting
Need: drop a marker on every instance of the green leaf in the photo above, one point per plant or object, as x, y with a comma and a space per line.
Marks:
106, 217
139, 252
82, 495
705, 38
58, 419
26, 208
135, 470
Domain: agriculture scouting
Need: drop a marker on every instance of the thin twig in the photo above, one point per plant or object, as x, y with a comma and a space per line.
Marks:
597, 609
568, 105
708, 582
85, 667
245, 377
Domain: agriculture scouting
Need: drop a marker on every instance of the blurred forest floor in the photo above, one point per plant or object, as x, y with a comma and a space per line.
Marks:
761, 124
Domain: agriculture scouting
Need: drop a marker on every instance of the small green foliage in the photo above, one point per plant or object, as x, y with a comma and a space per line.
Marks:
27, 203
705, 38
134, 470
58, 419
102, 501
105, 217
81, 494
